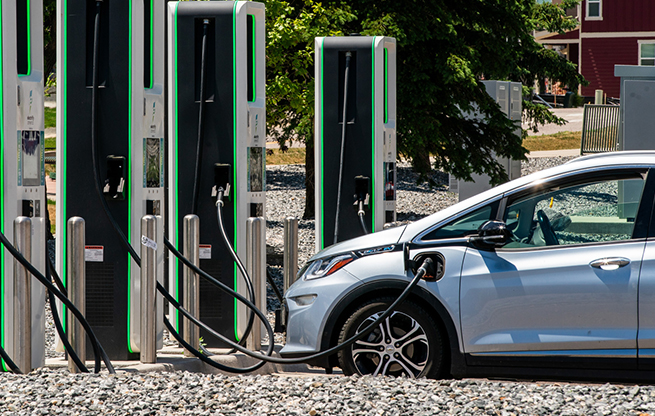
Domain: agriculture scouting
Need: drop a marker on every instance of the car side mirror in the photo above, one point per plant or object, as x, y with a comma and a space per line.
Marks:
492, 234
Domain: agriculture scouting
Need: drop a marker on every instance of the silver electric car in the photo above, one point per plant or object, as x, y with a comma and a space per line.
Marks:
548, 276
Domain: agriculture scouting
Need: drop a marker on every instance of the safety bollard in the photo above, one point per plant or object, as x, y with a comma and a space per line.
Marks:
290, 259
76, 278
148, 347
23, 296
254, 256
191, 281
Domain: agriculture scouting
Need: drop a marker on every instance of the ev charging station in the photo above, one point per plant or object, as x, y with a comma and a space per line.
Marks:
509, 97
356, 77
23, 169
120, 123
223, 92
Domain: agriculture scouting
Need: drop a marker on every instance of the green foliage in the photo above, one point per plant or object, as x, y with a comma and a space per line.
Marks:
445, 48
291, 27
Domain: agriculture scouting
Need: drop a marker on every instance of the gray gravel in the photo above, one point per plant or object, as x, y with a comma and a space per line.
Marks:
57, 392
46, 392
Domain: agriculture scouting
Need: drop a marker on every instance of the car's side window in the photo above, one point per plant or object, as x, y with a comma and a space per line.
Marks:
586, 213
463, 226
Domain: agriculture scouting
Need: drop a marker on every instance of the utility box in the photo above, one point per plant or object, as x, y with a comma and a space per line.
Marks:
636, 122
23, 170
367, 142
233, 145
127, 121
509, 97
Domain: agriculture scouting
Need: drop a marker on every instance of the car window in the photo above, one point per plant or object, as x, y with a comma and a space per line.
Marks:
587, 213
463, 226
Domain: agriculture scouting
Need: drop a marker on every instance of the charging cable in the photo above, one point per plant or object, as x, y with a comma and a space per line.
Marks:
97, 348
343, 145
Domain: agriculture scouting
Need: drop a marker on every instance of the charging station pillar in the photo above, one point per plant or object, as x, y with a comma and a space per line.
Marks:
369, 145
233, 143
128, 128
22, 173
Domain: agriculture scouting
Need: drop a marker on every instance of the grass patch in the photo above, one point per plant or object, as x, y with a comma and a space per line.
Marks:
51, 143
295, 155
50, 117
558, 141
52, 207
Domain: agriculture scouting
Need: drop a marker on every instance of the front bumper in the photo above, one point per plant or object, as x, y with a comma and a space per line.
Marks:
309, 304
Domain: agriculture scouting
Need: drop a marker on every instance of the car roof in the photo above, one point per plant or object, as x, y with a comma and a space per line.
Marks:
601, 160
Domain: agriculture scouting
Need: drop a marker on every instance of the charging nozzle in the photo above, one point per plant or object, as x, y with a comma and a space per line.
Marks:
114, 188
221, 188
362, 187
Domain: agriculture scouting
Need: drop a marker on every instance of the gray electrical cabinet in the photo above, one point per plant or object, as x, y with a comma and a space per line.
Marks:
636, 123
509, 97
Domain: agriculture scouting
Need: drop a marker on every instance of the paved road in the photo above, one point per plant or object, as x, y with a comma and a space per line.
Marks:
572, 115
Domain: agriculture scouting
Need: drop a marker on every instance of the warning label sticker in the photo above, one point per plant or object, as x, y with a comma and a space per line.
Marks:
94, 253
205, 251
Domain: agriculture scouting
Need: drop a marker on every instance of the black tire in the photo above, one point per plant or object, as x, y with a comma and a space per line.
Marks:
374, 355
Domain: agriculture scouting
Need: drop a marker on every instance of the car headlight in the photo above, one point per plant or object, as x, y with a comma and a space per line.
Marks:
325, 267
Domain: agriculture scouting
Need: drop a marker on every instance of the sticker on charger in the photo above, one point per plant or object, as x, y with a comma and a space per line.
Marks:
148, 242
94, 254
205, 252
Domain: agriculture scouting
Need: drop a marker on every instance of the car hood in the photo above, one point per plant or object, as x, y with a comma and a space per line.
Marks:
381, 238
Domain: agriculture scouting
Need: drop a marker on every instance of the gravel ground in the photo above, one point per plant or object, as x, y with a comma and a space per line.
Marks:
47, 391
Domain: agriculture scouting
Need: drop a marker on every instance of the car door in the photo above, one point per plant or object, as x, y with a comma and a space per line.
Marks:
565, 288
646, 334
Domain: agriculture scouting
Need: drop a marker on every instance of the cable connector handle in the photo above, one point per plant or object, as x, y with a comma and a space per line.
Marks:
427, 267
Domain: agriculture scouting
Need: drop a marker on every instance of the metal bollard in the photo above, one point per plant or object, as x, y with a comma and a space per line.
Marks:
191, 281
254, 266
23, 296
290, 259
598, 97
76, 279
148, 347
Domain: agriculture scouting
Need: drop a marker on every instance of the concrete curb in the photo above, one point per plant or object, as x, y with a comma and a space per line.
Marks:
172, 359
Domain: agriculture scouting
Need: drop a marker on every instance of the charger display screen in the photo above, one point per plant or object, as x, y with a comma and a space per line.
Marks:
256, 173
153, 161
31, 161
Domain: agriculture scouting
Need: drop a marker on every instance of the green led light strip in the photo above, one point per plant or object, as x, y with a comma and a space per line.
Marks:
129, 183
176, 176
152, 45
322, 188
254, 60
234, 146
2, 194
64, 87
373, 165
29, 42
386, 85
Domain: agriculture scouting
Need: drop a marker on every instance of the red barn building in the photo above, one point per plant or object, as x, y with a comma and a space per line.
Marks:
611, 32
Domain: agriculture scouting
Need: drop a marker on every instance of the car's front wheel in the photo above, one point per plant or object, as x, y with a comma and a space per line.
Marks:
407, 343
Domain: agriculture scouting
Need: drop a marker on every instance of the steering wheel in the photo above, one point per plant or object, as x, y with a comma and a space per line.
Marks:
546, 229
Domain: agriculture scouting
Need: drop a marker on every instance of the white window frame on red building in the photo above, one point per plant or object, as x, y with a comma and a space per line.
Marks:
600, 10
640, 58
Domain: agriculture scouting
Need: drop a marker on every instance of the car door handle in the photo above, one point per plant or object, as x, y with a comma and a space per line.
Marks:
610, 263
